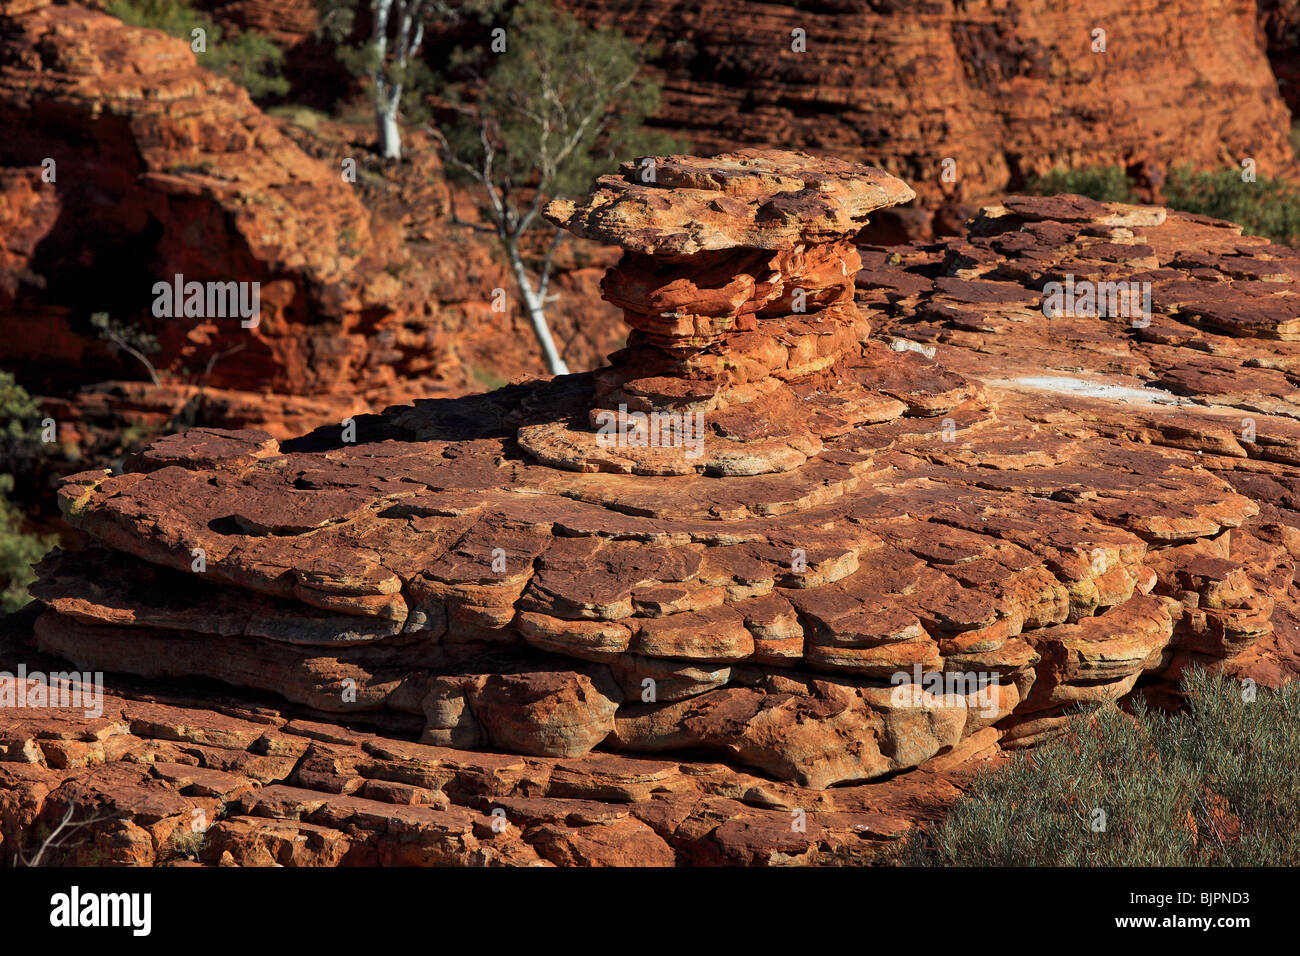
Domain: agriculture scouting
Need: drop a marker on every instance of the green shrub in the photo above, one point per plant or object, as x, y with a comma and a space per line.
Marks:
1102, 183
20, 451
1214, 785
171, 16
247, 57
19, 550
1267, 207
20, 446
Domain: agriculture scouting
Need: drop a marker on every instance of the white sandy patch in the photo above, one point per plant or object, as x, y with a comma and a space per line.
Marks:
1087, 388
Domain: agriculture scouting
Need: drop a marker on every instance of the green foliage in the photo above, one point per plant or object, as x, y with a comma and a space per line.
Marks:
171, 16
1102, 183
1267, 207
247, 57
337, 21
113, 330
560, 102
563, 103
251, 60
416, 78
19, 449
130, 338
1214, 785
19, 550
20, 445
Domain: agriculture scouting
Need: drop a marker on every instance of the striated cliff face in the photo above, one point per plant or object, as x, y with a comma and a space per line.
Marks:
1004, 88
287, 22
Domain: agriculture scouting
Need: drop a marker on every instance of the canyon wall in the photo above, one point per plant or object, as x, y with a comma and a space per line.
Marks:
1005, 89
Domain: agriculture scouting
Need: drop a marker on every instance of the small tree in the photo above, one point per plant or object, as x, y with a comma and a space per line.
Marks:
561, 102
20, 455
131, 339
389, 58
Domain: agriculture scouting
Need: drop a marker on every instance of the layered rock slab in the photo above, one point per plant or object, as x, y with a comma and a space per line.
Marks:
737, 283
964, 569
1202, 363
435, 570
161, 777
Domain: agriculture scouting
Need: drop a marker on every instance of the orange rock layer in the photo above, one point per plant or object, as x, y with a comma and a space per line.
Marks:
465, 627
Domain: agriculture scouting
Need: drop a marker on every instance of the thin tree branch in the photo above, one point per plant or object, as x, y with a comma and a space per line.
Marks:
121, 343
547, 262
67, 828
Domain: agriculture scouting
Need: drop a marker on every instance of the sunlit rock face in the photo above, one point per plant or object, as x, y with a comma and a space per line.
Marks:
963, 100
889, 551
746, 347
127, 163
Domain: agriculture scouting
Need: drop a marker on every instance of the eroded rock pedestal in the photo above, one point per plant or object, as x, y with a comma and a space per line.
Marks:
510, 610
738, 287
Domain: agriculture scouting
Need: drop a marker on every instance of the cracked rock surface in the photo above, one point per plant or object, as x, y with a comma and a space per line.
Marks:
981, 492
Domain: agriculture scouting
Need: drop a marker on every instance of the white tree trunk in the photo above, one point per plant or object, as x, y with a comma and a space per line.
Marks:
390, 135
537, 314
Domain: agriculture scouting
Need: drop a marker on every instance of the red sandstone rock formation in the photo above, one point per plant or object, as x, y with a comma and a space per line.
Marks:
279, 788
1003, 89
163, 167
362, 302
738, 285
286, 22
1210, 377
1070, 533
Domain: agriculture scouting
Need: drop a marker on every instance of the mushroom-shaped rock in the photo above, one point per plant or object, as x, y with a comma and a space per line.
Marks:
746, 349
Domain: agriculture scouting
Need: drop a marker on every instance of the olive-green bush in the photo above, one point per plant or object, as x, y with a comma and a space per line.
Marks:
1212, 785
